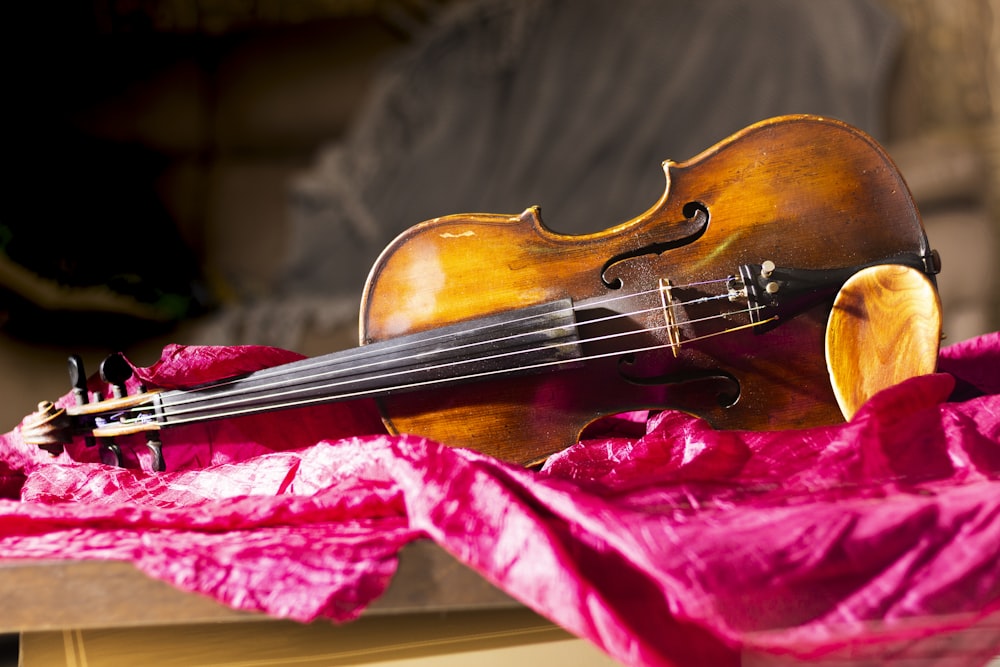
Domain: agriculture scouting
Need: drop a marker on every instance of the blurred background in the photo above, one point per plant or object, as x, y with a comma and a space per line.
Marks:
226, 171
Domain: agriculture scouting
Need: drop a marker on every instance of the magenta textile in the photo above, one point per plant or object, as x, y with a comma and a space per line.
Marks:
660, 540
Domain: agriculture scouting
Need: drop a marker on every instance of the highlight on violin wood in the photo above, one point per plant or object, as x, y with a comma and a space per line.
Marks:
493, 332
885, 327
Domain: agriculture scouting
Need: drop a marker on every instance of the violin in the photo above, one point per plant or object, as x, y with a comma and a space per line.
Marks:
495, 333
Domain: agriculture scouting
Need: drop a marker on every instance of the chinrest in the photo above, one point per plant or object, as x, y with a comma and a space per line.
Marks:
885, 327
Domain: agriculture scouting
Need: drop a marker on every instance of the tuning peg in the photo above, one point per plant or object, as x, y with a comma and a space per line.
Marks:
78, 378
111, 453
116, 371
156, 449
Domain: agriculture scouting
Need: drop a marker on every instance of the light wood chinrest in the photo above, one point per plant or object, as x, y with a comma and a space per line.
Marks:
885, 327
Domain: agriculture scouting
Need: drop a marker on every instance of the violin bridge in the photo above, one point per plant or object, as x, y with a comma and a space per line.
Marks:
668, 303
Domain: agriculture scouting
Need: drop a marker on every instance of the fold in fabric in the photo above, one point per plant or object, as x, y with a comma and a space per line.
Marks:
662, 541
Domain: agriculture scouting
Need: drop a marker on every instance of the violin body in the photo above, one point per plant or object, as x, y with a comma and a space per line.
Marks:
495, 333
798, 191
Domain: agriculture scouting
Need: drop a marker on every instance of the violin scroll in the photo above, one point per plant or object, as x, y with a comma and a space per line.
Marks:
49, 427
97, 421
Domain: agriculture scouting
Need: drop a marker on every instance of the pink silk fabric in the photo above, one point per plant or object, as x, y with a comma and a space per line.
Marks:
662, 541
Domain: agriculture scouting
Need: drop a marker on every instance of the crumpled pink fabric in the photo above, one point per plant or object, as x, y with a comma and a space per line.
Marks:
662, 541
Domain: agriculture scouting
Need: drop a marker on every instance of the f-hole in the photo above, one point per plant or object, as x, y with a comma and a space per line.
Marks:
694, 389
694, 225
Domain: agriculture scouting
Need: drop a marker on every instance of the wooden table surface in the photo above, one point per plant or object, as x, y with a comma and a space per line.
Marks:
50, 595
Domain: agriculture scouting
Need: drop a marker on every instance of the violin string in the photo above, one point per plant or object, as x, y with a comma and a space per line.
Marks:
353, 371
254, 393
378, 357
177, 417
176, 409
360, 351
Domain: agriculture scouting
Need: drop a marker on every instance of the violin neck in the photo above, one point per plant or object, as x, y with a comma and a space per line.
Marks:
520, 341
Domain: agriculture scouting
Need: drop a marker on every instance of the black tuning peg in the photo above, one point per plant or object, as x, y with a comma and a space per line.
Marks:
78, 378
116, 371
111, 453
156, 449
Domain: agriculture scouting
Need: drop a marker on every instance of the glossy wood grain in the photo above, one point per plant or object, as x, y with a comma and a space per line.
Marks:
803, 192
885, 327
